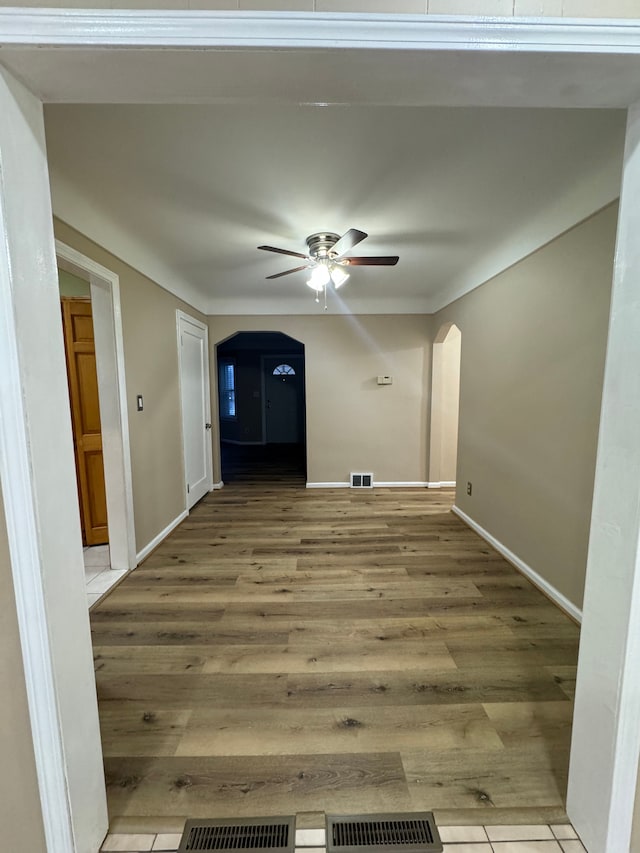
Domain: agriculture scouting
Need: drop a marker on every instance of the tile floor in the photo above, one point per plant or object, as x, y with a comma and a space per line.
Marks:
560, 838
99, 576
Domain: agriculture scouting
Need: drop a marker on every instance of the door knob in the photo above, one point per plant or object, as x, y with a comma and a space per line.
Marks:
207, 426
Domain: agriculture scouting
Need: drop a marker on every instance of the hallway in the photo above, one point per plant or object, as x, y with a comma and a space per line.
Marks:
290, 650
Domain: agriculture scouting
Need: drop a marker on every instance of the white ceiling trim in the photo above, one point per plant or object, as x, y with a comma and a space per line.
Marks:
140, 28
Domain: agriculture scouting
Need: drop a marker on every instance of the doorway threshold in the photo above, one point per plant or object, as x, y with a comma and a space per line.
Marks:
100, 578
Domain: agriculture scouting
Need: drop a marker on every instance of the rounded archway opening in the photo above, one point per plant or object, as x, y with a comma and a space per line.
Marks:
262, 408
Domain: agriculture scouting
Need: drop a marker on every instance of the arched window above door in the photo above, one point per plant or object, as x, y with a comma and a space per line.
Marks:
284, 370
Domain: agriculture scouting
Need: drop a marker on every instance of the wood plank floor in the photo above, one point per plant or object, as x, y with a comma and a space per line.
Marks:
290, 650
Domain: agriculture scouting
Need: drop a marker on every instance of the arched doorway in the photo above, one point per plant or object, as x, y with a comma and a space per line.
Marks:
445, 398
261, 405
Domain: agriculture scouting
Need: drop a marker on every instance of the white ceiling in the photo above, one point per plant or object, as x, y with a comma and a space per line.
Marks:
187, 192
460, 144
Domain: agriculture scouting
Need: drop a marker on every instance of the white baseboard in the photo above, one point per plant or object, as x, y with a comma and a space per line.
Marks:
217, 485
391, 484
401, 484
555, 595
162, 535
445, 484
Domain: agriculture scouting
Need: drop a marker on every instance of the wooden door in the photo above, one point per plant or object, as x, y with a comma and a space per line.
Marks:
85, 417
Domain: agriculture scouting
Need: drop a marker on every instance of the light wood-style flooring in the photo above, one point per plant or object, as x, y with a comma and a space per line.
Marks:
289, 650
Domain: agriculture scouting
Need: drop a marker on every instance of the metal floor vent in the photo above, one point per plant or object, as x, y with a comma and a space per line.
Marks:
383, 832
276, 834
361, 481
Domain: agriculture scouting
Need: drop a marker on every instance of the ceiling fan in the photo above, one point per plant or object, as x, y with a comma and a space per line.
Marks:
326, 259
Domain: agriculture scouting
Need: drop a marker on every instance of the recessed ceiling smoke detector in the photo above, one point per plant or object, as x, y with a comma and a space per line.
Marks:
327, 262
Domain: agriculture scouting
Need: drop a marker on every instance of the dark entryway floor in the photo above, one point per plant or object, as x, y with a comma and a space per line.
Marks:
263, 463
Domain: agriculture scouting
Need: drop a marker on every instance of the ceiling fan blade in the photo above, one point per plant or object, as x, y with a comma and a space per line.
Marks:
283, 251
288, 272
381, 261
348, 240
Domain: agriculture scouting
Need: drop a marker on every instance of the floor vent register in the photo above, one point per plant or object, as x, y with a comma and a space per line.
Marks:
391, 833
276, 834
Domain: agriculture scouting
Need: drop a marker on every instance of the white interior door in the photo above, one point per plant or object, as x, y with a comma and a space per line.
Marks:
193, 349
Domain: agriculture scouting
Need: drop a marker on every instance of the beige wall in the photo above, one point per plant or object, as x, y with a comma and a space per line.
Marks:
151, 365
353, 424
532, 364
20, 816
506, 8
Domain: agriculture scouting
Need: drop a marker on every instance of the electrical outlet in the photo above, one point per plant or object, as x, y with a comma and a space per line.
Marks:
469, 488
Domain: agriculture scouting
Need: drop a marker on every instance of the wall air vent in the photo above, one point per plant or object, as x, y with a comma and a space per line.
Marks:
361, 481
276, 834
383, 832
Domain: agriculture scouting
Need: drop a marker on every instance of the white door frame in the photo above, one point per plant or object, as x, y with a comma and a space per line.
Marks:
183, 317
605, 742
112, 392
600, 806
38, 480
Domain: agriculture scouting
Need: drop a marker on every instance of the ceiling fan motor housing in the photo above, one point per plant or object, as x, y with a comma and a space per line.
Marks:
320, 244
327, 254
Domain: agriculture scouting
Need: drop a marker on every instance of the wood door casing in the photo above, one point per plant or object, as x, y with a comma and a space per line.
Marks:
80, 351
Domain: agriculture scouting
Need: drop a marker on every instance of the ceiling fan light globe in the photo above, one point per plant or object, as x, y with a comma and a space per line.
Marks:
315, 286
338, 276
320, 276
